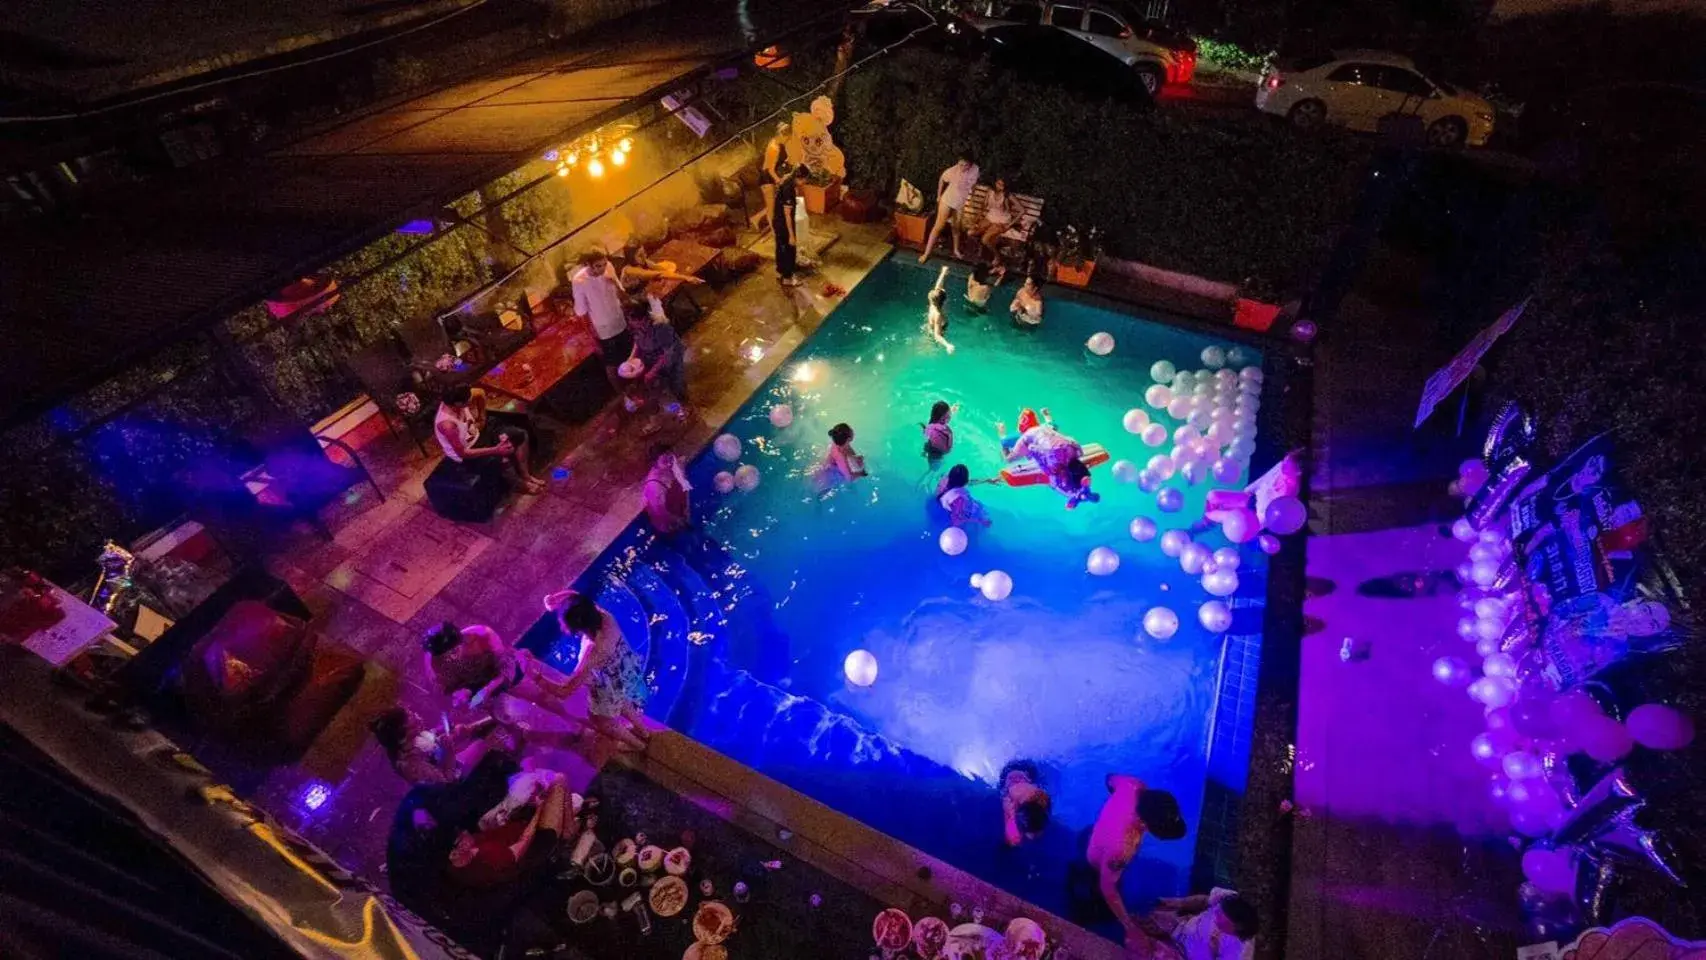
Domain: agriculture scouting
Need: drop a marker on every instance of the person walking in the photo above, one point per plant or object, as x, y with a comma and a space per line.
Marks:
953, 188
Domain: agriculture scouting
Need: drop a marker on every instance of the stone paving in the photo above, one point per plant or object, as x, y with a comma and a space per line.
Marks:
395, 568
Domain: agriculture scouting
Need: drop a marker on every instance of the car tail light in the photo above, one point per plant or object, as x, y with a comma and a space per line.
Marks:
1275, 82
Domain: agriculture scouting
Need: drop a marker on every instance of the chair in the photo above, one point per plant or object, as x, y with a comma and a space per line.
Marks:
487, 331
296, 480
386, 377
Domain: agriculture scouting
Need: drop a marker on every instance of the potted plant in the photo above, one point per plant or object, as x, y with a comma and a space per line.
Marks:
910, 224
1075, 255
821, 191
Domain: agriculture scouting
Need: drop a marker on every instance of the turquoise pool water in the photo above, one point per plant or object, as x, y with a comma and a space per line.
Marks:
746, 623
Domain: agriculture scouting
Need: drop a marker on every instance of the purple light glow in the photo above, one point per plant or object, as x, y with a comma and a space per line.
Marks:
418, 227
315, 795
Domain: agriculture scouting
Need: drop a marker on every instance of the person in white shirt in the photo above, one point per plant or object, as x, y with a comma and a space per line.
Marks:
1217, 926
953, 189
599, 300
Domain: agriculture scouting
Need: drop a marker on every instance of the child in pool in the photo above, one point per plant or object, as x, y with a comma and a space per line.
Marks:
1057, 455
952, 494
935, 318
841, 463
938, 435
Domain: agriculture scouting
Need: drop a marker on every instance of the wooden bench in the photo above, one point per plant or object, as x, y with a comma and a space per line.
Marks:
1030, 214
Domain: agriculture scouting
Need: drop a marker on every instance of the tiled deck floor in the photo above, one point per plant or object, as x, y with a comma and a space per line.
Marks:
395, 568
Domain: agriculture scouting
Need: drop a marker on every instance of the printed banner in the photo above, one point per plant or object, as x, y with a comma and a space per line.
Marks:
1448, 377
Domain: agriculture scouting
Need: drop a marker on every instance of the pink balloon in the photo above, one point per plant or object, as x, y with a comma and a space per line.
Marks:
1658, 727
1269, 543
1530, 717
1571, 709
1522, 765
1240, 526
1530, 824
1604, 739
1498, 717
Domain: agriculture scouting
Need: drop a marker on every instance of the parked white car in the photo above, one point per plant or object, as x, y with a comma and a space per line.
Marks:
1160, 55
1360, 89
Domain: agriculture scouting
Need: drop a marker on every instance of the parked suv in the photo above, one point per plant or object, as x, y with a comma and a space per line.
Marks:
1159, 55
1360, 89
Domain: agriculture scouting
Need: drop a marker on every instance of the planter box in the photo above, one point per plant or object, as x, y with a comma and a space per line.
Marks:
820, 200
1075, 276
911, 228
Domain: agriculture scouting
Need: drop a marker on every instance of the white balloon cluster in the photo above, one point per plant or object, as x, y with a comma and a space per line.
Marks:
994, 585
1215, 412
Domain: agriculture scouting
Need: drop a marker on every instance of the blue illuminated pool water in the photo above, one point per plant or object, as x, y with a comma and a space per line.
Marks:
747, 623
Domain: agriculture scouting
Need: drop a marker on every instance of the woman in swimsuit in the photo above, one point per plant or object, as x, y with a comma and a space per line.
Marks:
935, 317
608, 666
1027, 306
985, 277
667, 493
938, 435
479, 670
952, 494
1057, 455
999, 212
842, 463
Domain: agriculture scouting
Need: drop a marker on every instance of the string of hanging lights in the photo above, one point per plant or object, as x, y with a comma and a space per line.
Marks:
595, 152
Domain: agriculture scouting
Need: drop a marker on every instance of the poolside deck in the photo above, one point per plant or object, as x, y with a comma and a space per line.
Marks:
375, 589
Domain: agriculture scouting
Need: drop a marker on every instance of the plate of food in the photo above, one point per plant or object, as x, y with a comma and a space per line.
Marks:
631, 368
677, 861
669, 896
651, 858
705, 951
892, 929
929, 936
599, 870
583, 906
624, 852
713, 922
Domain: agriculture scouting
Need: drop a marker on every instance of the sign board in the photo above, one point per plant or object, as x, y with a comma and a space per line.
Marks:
1448, 377
676, 103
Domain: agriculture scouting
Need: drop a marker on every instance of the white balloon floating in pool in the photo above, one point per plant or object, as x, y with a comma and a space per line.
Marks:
727, 447
1269, 543
1101, 343
1154, 435
1226, 471
1221, 583
1213, 357
1192, 558
781, 415
1179, 408
1158, 396
1173, 542
1169, 500
1160, 623
860, 667
952, 541
723, 482
1227, 558
1238, 356
1147, 481
1143, 529
1215, 616
1162, 466
1125, 471
995, 585
1251, 373
1135, 420
1102, 562
1163, 371
746, 477
1194, 471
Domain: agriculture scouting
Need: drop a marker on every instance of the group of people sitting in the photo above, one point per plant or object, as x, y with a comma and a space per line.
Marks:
1001, 210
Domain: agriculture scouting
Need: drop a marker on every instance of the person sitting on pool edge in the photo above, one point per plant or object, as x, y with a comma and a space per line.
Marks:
1057, 455
938, 435
952, 494
935, 317
1025, 805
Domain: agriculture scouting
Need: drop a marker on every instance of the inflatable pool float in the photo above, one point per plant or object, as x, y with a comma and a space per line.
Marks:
1029, 474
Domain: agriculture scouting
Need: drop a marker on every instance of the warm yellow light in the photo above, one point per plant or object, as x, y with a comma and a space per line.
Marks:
573, 156
804, 373
562, 171
595, 168
618, 158
625, 145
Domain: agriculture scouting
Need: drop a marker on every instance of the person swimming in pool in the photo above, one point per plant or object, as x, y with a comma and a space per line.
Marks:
938, 435
936, 316
841, 463
1057, 455
956, 499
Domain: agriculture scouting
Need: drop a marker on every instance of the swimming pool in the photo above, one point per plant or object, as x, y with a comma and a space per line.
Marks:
746, 623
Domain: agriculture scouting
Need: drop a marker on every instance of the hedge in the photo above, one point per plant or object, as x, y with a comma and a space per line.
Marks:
1223, 197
